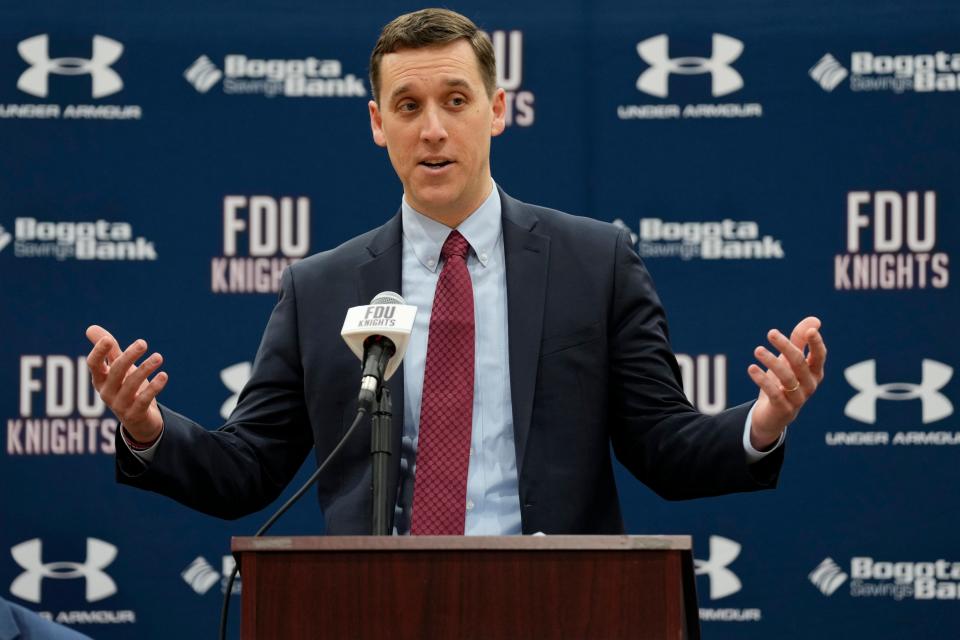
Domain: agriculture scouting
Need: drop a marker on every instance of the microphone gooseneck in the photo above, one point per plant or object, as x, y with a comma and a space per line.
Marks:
282, 510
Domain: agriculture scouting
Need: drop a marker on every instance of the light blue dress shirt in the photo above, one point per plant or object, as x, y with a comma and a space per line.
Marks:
493, 496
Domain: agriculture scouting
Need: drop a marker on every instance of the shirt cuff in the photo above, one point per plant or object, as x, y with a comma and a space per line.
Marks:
752, 454
146, 455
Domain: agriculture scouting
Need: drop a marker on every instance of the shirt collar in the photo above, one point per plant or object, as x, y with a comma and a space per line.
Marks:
481, 229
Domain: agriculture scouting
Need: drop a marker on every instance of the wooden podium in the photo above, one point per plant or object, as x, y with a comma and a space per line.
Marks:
453, 588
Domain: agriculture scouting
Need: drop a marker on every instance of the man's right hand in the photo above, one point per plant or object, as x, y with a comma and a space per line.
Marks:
124, 386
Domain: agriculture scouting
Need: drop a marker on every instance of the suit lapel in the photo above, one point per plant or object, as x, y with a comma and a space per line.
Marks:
527, 255
383, 272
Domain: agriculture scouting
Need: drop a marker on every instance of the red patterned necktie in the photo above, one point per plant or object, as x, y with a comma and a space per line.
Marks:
446, 407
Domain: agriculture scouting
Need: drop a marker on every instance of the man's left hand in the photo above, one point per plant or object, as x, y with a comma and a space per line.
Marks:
790, 379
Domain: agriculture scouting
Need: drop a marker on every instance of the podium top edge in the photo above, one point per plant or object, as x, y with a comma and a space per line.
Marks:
462, 543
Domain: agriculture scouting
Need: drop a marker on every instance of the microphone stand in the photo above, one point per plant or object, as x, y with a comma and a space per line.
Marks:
380, 452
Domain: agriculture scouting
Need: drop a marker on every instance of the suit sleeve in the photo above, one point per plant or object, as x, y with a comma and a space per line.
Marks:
243, 466
656, 433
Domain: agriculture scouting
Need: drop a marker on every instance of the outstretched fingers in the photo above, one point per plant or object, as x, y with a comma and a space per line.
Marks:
800, 377
98, 358
134, 382
799, 334
770, 386
817, 357
148, 394
120, 368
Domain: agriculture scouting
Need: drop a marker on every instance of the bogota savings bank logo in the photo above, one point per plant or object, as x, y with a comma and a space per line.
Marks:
891, 243
898, 580
63, 240
60, 412
308, 77
713, 240
200, 575
662, 69
44, 70
262, 236
869, 71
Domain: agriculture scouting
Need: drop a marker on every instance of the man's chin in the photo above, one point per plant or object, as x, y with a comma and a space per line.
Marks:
436, 202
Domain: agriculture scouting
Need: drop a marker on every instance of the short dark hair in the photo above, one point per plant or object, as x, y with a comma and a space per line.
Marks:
433, 27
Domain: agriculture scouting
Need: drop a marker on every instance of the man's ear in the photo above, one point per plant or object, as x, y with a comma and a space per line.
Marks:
376, 124
499, 112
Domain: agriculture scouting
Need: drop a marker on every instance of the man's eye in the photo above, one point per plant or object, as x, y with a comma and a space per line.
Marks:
407, 106
458, 101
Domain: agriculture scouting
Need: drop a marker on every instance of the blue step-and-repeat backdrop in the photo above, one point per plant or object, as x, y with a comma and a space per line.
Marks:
773, 160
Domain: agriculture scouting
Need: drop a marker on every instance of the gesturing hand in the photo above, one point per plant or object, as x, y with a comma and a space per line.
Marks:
124, 386
790, 379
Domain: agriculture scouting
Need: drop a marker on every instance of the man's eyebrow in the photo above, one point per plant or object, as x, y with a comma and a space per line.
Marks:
404, 88
458, 82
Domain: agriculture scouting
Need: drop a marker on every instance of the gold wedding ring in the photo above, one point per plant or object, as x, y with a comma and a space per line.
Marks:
793, 388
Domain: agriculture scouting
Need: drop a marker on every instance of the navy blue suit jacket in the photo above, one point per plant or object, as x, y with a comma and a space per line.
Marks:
18, 623
590, 365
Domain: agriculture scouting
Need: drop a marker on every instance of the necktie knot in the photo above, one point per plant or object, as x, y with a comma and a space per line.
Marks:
455, 245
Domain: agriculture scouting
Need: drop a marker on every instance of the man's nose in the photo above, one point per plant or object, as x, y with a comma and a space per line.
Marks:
433, 130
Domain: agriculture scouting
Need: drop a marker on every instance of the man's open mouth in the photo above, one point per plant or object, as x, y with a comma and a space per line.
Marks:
436, 165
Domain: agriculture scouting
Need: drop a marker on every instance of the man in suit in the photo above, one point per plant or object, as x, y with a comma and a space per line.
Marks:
539, 341
18, 623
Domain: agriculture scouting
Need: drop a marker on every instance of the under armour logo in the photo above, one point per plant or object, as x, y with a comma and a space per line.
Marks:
723, 582
98, 584
655, 52
35, 51
863, 377
234, 378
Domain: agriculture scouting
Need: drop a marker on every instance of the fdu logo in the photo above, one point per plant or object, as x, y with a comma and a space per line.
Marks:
262, 236
704, 381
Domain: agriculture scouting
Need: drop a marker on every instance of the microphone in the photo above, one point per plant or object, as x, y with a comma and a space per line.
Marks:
378, 333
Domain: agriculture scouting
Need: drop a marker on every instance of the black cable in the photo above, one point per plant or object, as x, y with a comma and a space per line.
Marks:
282, 510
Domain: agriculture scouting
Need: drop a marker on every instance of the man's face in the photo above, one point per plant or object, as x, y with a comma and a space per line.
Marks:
436, 120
